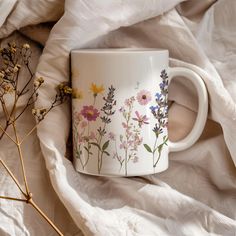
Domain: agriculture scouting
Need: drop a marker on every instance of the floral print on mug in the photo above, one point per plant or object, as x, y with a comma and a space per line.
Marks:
93, 142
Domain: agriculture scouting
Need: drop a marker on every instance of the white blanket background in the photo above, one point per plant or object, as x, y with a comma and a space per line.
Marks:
197, 194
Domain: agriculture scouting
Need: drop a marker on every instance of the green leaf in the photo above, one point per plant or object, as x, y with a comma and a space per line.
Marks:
78, 154
86, 149
160, 147
105, 145
147, 148
106, 153
95, 144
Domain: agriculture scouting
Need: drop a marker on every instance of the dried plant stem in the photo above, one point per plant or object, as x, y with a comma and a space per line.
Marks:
32, 203
13, 177
13, 198
21, 158
28, 134
5, 132
28, 199
10, 76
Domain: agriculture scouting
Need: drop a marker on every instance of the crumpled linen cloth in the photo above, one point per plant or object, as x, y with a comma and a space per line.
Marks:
197, 194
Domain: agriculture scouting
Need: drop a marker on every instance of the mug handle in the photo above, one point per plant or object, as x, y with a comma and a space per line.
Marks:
199, 125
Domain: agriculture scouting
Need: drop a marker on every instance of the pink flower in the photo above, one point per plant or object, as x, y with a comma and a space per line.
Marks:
84, 124
123, 145
144, 97
90, 113
78, 117
80, 140
141, 119
92, 135
129, 101
124, 125
135, 159
111, 136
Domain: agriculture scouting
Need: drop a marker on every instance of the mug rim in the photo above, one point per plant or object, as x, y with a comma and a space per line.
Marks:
120, 50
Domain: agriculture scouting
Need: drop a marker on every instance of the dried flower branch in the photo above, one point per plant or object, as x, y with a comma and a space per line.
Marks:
14, 58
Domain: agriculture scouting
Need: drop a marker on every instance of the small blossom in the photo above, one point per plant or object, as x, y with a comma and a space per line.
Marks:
84, 124
92, 135
135, 159
90, 113
7, 88
141, 119
154, 108
26, 46
158, 96
111, 136
38, 82
78, 117
144, 97
39, 113
123, 145
95, 89
129, 101
67, 90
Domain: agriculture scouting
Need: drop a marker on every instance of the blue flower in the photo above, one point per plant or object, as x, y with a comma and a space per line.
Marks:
158, 96
162, 85
153, 108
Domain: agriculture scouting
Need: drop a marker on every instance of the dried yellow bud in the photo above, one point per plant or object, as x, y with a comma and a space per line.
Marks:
26, 46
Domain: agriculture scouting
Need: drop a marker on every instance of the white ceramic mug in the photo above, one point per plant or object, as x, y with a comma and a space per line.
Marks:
120, 111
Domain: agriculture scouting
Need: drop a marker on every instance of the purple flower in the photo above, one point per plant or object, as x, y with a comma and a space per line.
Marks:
90, 113
141, 119
144, 97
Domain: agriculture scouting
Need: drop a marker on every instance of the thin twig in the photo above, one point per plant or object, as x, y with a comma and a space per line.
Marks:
29, 133
5, 132
13, 177
30, 201
13, 198
21, 158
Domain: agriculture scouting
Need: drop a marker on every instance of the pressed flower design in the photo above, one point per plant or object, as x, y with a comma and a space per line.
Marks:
160, 113
144, 97
90, 113
131, 139
107, 111
93, 139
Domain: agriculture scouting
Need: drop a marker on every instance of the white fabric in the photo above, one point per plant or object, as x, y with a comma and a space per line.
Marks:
197, 194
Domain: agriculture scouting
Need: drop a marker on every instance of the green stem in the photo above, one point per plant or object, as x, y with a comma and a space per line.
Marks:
99, 151
153, 153
79, 157
88, 140
159, 156
126, 162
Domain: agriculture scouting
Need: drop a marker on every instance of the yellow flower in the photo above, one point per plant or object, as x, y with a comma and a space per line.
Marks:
77, 94
96, 89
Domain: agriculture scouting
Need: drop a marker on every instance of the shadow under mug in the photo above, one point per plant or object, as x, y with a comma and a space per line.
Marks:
120, 111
